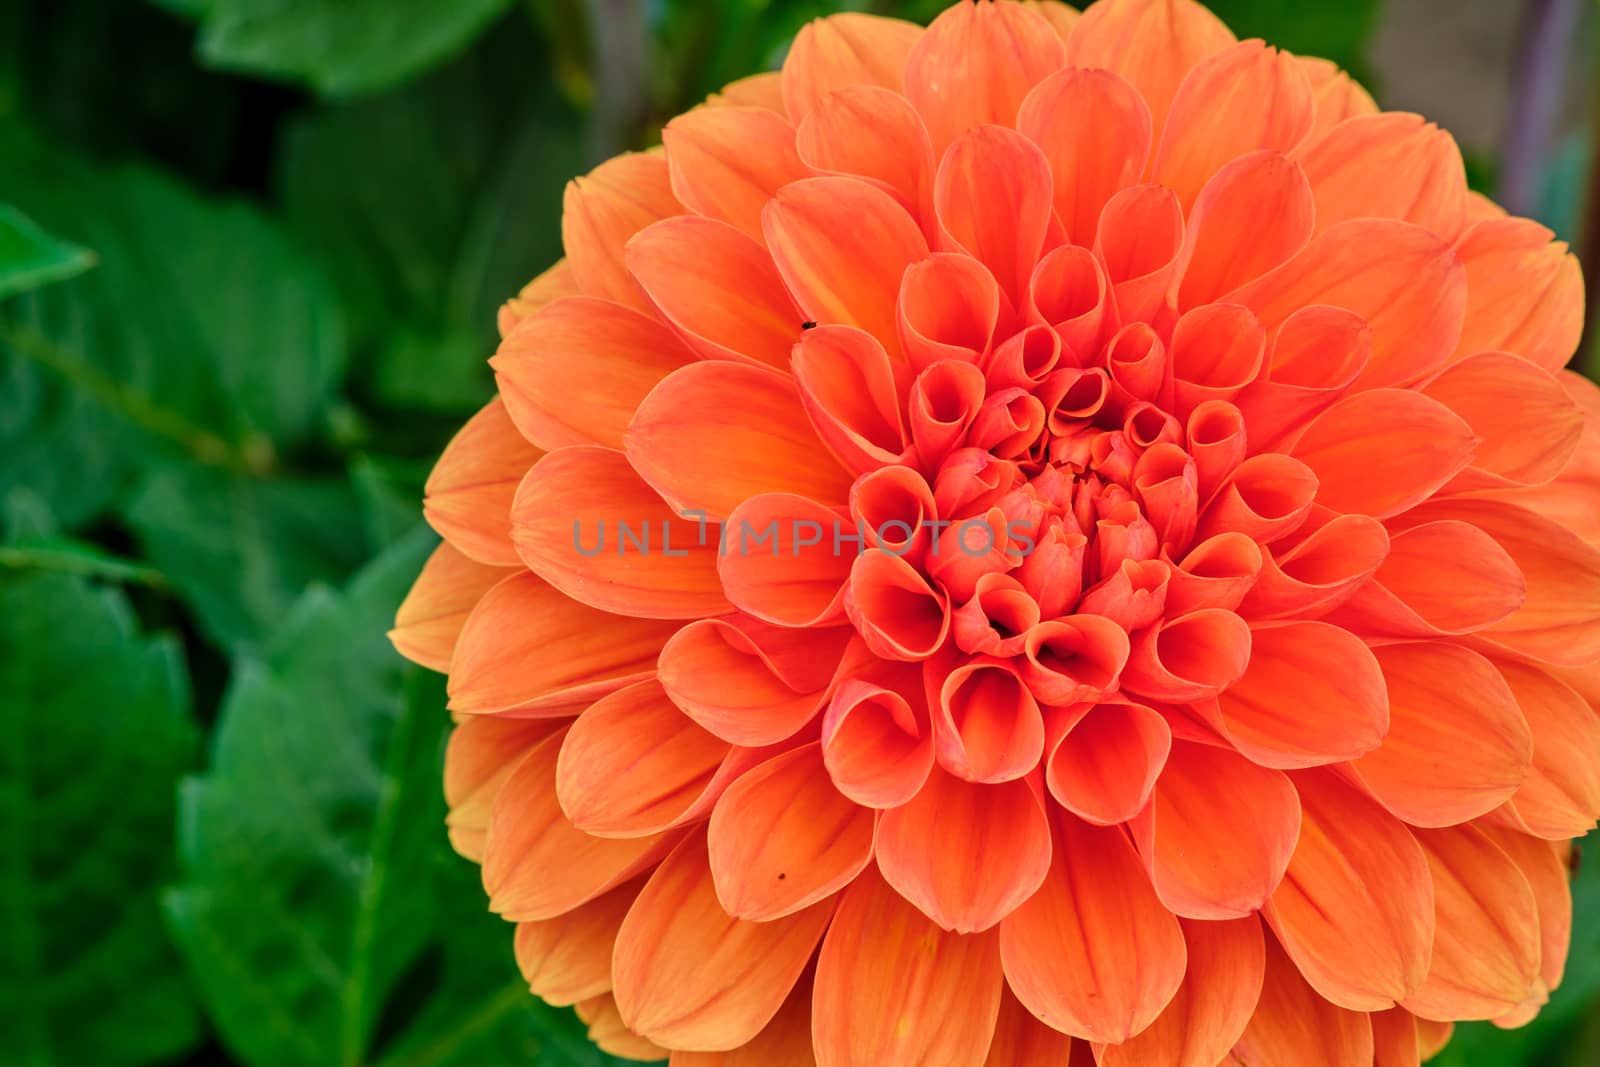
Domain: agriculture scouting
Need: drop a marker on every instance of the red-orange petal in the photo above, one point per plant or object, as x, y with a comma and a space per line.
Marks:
528, 649
1392, 165
430, 618
688, 975
1264, 194
1560, 797
1153, 44
1355, 909
1093, 953
841, 245
536, 864
603, 210
992, 195
843, 51
1557, 622
1020, 1038
975, 65
727, 162
1403, 280
1312, 695
574, 373
1383, 451
1486, 950
1458, 745
717, 286
482, 752
1220, 990
1104, 766
894, 988
872, 133
712, 435
1245, 98
1527, 426
584, 521
568, 959
1094, 129
749, 683
785, 562
634, 764
1525, 292
782, 838
966, 854
467, 499
1293, 1024
1216, 853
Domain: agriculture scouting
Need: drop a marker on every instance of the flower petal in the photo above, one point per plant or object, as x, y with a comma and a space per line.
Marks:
1557, 622
1264, 194
1293, 1024
1093, 953
749, 683
872, 133
584, 521
1355, 910
842, 51
1103, 768
712, 435
1392, 165
1216, 853
429, 620
841, 245
1404, 281
536, 864
993, 199
726, 162
633, 764
529, 649
1152, 44
1527, 426
603, 210
1020, 1038
966, 854
467, 499
573, 373
1560, 797
1220, 990
688, 975
717, 286
1486, 951
481, 754
782, 838
1313, 695
975, 65
1094, 129
1245, 98
568, 959
1383, 451
894, 988
1525, 292
1458, 745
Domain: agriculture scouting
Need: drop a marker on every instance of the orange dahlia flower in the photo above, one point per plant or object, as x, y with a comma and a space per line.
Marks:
1042, 538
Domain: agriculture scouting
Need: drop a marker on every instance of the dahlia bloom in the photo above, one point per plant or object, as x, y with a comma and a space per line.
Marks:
1043, 538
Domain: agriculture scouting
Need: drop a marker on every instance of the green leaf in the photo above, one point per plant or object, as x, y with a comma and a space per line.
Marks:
432, 205
319, 908
1333, 29
240, 550
205, 333
29, 257
339, 47
97, 730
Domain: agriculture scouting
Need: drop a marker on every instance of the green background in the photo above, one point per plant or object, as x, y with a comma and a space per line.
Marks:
250, 252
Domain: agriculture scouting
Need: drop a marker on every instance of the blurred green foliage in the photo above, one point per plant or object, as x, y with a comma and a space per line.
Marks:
250, 255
